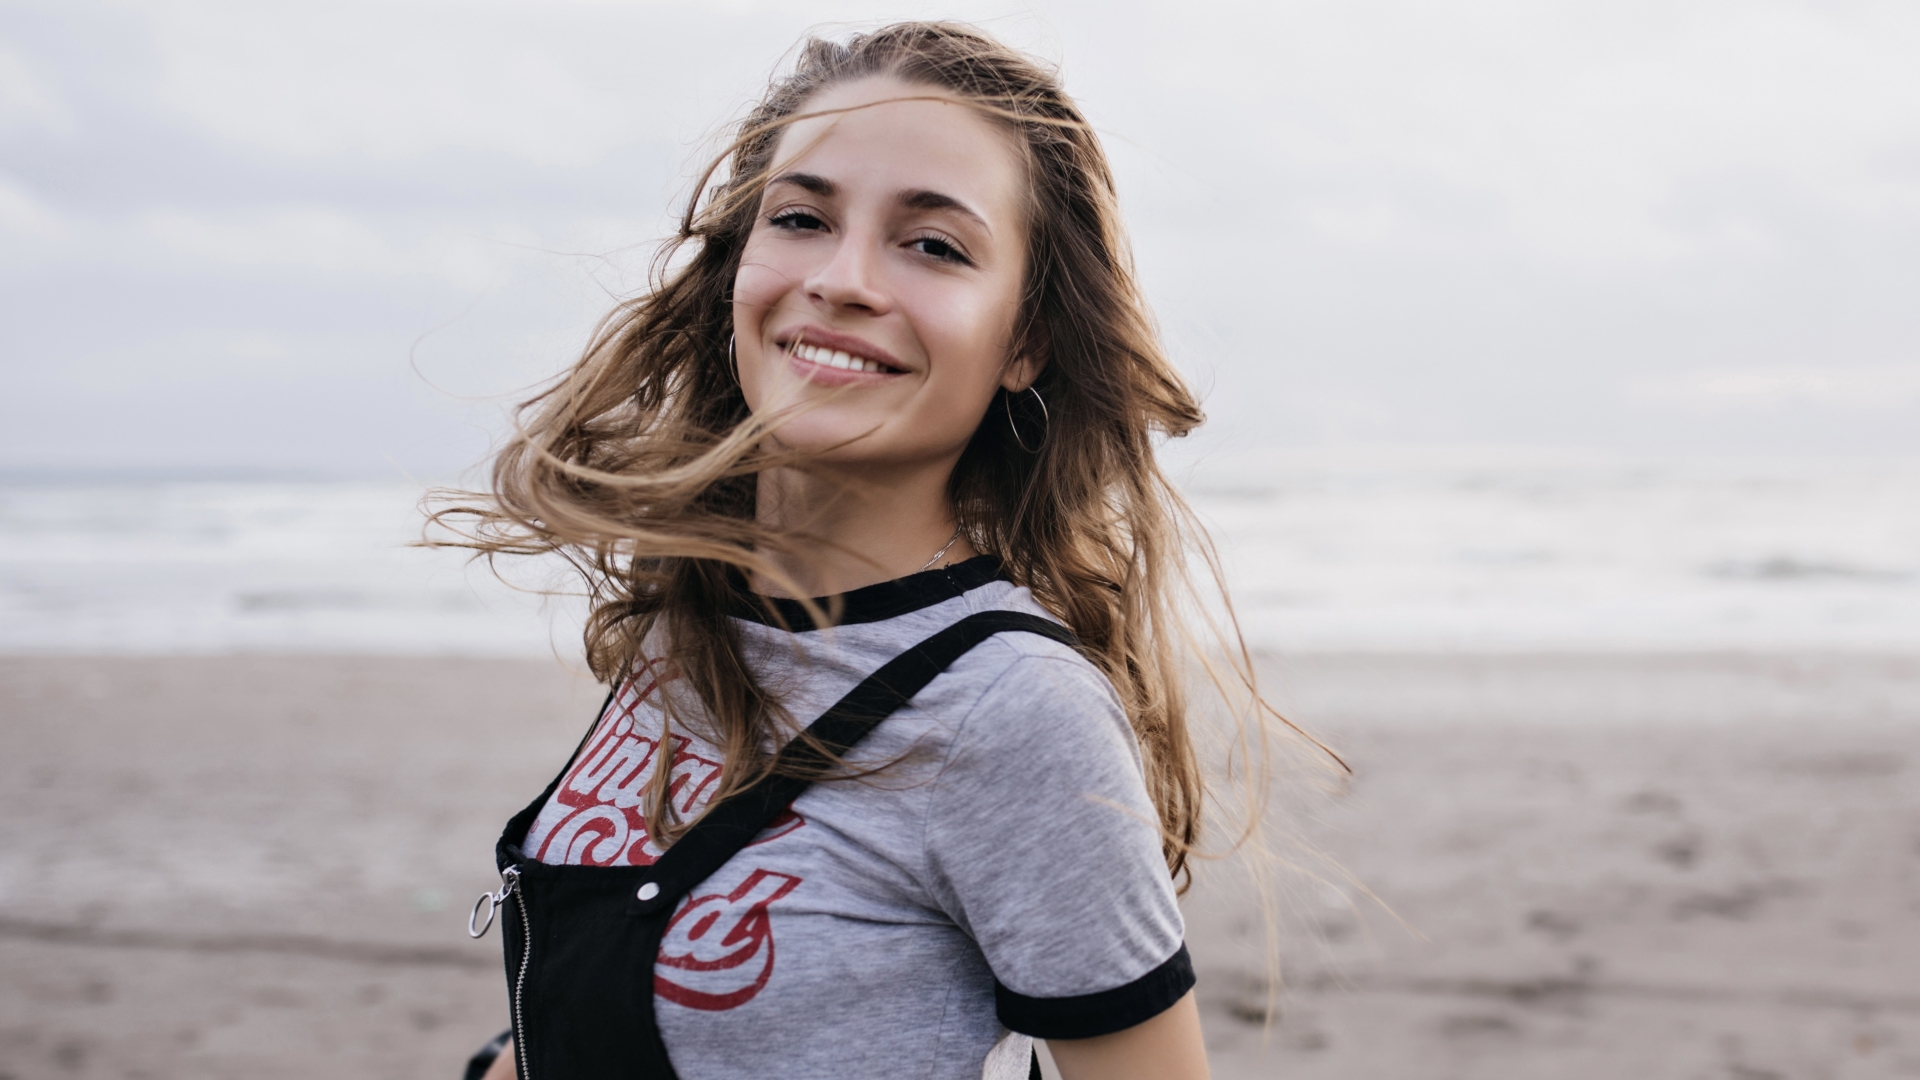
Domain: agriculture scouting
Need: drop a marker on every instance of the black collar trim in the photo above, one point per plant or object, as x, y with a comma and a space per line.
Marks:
874, 603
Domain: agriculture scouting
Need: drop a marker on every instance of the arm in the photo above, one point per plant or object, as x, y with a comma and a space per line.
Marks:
1167, 1047
1044, 847
503, 1068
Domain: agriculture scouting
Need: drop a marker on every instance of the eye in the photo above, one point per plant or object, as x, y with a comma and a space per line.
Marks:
796, 220
940, 248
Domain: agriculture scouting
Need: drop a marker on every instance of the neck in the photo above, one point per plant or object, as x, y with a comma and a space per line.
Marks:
862, 529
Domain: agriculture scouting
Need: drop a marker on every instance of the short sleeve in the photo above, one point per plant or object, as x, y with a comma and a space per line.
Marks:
1043, 845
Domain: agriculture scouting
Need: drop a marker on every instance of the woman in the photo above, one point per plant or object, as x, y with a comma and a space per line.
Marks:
895, 363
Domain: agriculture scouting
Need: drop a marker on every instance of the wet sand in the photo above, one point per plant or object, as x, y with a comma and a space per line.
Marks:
1598, 865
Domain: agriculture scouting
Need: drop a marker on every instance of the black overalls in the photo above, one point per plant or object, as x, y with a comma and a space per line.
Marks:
581, 941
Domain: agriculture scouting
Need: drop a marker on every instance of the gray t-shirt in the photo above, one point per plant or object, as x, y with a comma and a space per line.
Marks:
1009, 850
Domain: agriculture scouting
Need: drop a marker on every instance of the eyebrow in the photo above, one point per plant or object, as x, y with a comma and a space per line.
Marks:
918, 199
819, 185
934, 200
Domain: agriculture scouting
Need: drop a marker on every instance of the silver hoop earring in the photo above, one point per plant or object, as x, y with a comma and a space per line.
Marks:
733, 360
1046, 421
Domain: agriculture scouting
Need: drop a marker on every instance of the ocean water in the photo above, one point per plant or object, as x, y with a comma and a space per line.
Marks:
214, 567
1511, 552
1321, 552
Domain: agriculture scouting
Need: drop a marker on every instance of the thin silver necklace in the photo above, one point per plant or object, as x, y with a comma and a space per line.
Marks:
942, 553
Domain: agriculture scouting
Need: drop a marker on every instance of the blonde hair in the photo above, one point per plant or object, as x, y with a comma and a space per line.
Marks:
638, 464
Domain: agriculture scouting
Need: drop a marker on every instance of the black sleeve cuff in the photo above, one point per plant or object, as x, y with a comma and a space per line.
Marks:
1087, 1015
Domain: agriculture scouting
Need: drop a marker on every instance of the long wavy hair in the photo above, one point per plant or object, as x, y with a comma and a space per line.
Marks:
639, 463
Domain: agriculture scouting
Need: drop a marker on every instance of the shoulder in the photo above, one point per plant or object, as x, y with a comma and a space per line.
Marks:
1014, 661
1022, 694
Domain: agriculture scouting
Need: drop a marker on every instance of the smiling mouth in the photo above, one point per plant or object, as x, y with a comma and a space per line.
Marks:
834, 358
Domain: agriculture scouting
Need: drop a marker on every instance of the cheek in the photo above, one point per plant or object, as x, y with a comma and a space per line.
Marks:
758, 287
759, 283
973, 335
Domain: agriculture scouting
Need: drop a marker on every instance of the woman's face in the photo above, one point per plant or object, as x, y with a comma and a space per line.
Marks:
882, 278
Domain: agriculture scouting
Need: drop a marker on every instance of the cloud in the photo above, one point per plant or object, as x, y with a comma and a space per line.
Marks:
26, 101
1880, 387
1616, 133
24, 215
317, 239
384, 81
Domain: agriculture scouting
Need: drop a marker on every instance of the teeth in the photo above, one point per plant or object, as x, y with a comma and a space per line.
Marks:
833, 358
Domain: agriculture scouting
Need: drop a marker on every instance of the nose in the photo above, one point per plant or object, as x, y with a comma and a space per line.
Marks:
851, 278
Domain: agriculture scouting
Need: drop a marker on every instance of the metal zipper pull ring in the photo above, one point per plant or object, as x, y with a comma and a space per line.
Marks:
491, 901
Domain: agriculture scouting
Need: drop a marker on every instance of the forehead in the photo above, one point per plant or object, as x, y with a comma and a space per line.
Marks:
885, 143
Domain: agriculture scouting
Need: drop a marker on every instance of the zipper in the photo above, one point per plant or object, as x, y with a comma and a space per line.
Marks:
490, 902
520, 983
477, 926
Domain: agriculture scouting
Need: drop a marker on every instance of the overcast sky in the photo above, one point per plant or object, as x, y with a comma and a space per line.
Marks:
335, 237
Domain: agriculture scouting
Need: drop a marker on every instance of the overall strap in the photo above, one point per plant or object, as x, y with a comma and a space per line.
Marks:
733, 823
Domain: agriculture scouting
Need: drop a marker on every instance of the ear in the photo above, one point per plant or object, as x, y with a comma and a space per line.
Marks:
1022, 373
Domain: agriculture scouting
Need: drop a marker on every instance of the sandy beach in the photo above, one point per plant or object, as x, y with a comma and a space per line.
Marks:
1686, 866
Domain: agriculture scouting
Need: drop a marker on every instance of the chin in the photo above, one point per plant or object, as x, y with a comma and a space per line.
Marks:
817, 425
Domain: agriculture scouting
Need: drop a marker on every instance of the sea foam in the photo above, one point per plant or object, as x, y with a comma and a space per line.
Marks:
1322, 552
